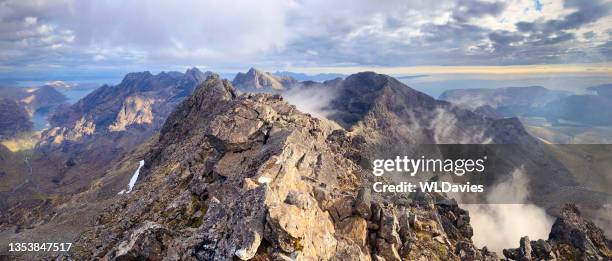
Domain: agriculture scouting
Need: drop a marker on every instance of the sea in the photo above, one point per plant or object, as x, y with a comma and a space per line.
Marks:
436, 84
76, 91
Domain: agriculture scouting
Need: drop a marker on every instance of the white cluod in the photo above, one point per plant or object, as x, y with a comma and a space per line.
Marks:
133, 179
264, 180
500, 226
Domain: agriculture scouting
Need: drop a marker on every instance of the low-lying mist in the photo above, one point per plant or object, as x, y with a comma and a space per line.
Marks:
314, 100
500, 226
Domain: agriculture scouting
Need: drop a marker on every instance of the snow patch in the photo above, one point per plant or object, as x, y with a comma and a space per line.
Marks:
263, 180
133, 179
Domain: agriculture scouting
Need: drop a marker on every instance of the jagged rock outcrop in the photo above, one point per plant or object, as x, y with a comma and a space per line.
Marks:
13, 119
141, 101
572, 238
259, 81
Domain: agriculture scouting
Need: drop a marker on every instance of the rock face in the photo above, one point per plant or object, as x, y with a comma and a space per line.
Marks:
572, 238
141, 100
228, 210
13, 119
114, 119
259, 81
87, 138
39, 100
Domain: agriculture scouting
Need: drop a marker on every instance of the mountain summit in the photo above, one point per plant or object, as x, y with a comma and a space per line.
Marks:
256, 80
383, 108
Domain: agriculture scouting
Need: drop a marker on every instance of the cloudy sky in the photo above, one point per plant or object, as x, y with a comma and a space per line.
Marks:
46, 36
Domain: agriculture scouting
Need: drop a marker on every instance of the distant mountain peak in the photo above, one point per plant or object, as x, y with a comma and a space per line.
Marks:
195, 74
258, 80
368, 102
134, 75
193, 71
253, 70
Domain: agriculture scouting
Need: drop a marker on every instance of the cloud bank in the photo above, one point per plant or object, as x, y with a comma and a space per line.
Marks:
500, 226
279, 33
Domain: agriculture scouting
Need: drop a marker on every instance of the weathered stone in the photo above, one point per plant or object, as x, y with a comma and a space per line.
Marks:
389, 227
362, 203
412, 219
462, 220
354, 228
298, 199
150, 241
525, 249
373, 226
342, 208
376, 209
542, 248
405, 231
387, 250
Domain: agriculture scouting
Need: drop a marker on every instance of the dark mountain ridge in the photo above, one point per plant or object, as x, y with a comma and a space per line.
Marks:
14, 119
374, 101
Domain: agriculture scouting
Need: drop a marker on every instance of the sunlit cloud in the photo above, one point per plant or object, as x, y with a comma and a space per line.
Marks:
312, 34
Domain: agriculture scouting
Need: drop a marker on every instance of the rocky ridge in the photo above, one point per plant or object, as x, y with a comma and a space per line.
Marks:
572, 237
140, 101
250, 177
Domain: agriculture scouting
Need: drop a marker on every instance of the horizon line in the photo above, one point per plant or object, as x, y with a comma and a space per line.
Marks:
597, 68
